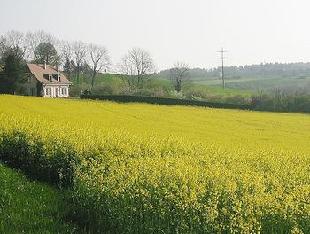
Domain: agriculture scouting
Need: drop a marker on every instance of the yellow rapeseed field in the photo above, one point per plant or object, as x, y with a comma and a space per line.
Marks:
138, 168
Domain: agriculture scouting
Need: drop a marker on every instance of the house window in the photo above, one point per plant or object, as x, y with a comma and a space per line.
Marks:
48, 91
64, 91
46, 76
56, 77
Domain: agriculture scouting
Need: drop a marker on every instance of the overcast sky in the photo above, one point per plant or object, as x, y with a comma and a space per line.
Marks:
253, 31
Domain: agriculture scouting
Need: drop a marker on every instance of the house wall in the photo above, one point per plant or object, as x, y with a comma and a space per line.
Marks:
51, 91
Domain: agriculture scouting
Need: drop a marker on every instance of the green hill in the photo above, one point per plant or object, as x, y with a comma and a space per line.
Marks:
263, 77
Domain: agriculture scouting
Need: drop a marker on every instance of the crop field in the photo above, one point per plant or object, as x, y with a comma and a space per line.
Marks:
138, 168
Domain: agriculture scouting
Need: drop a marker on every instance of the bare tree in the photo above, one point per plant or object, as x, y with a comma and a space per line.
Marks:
2, 46
14, 40
66, 50
79, 51
137, 65
127, 69
66, 53
33, 39
99, 60
178, 74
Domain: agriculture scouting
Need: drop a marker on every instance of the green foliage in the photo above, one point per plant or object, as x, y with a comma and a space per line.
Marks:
111, 84
30, 207
69, 67
216, 94
281, 101
50, 162
13, 70
45, 52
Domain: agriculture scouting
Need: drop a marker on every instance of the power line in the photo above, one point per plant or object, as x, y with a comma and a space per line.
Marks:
222, 51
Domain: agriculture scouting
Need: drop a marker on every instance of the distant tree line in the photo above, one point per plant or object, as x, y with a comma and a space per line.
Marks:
296, 70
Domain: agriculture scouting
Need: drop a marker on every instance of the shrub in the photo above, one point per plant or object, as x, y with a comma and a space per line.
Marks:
164, 101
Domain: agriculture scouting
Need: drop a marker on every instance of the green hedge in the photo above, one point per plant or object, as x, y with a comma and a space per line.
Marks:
54, 163
166, 101
282, 103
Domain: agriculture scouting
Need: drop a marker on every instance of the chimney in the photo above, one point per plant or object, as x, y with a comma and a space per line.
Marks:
58, 74
44, 64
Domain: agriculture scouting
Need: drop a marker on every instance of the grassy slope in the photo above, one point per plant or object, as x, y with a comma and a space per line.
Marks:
30, 207
207, 90
260, 83
216, 90
207, 87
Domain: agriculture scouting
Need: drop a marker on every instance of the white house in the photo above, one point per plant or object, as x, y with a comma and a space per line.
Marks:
46, 81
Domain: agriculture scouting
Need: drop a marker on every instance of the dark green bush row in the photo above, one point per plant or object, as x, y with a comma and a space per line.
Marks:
281, 102
29, 154
277, 103
165, 101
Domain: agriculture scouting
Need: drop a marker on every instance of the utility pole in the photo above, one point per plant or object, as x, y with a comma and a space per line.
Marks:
222, 51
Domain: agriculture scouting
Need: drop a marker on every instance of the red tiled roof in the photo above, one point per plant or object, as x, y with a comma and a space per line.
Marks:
38, 71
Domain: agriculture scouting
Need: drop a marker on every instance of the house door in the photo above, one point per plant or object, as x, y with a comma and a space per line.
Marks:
57, 92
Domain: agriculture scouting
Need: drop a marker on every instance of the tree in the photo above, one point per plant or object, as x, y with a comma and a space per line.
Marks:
2, 49
178, 74
46, 53
67, 57
66, 51
13, 39
136, 66
33, 39
99, 60
79, 51
69, 67
14, 70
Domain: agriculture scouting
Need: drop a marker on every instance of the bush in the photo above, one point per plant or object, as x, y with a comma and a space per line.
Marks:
282, 102
104, 90
51, 161
165, 101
